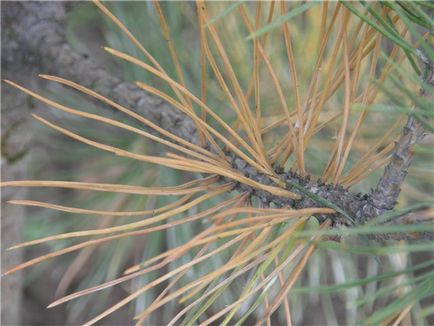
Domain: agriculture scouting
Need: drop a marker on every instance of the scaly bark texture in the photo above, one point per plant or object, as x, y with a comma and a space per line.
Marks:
389, 185
39, 30
387, 191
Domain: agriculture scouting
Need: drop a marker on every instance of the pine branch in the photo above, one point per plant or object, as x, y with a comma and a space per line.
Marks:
38, 28
385, 195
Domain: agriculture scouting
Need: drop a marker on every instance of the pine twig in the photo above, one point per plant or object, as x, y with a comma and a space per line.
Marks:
38, 28
385, 195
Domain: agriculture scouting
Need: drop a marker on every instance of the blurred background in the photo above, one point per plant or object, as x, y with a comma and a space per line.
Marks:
49, 155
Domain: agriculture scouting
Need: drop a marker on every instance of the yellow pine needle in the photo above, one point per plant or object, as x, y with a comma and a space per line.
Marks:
262, 220
400, 317
338, 77
251, 131
256, 63
183, 165
125, 227
372, 91
339, 160
367, 165
334, 161
161, 279
207, 279
256, 226
327, 121
240, 260
299, 109
252, 126
252, 250
127, 234
264, 42
173, 254
203, 74
286, 309
236, 256
253, 210
262, 284
375, 166
178, 105
241, 117
166, 33
228, 143
239, 202
177, 252
324, 13
270, 257
258, 259
68, 250
154, 191
221, 284
318, 67
177, 278
128, 33
257, 288
366, 160
281, 148
319, 104
183, 109
363, 114
117, 281
198, 240
83, 257
278, 148
107, 284
291, 135
266, 304
139, 46
116, 124
75, 210
260, 239
272, 122
237, 176
365, 46
275, 122
356, 61
76, 267
132, 114
283, 292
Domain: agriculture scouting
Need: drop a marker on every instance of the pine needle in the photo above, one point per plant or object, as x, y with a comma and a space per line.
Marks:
291, 135
125, 227
76, 210
293, 72
251, 127
131, 114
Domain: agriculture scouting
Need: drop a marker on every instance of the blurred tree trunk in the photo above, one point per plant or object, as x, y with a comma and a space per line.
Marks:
14, 163
15, 159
